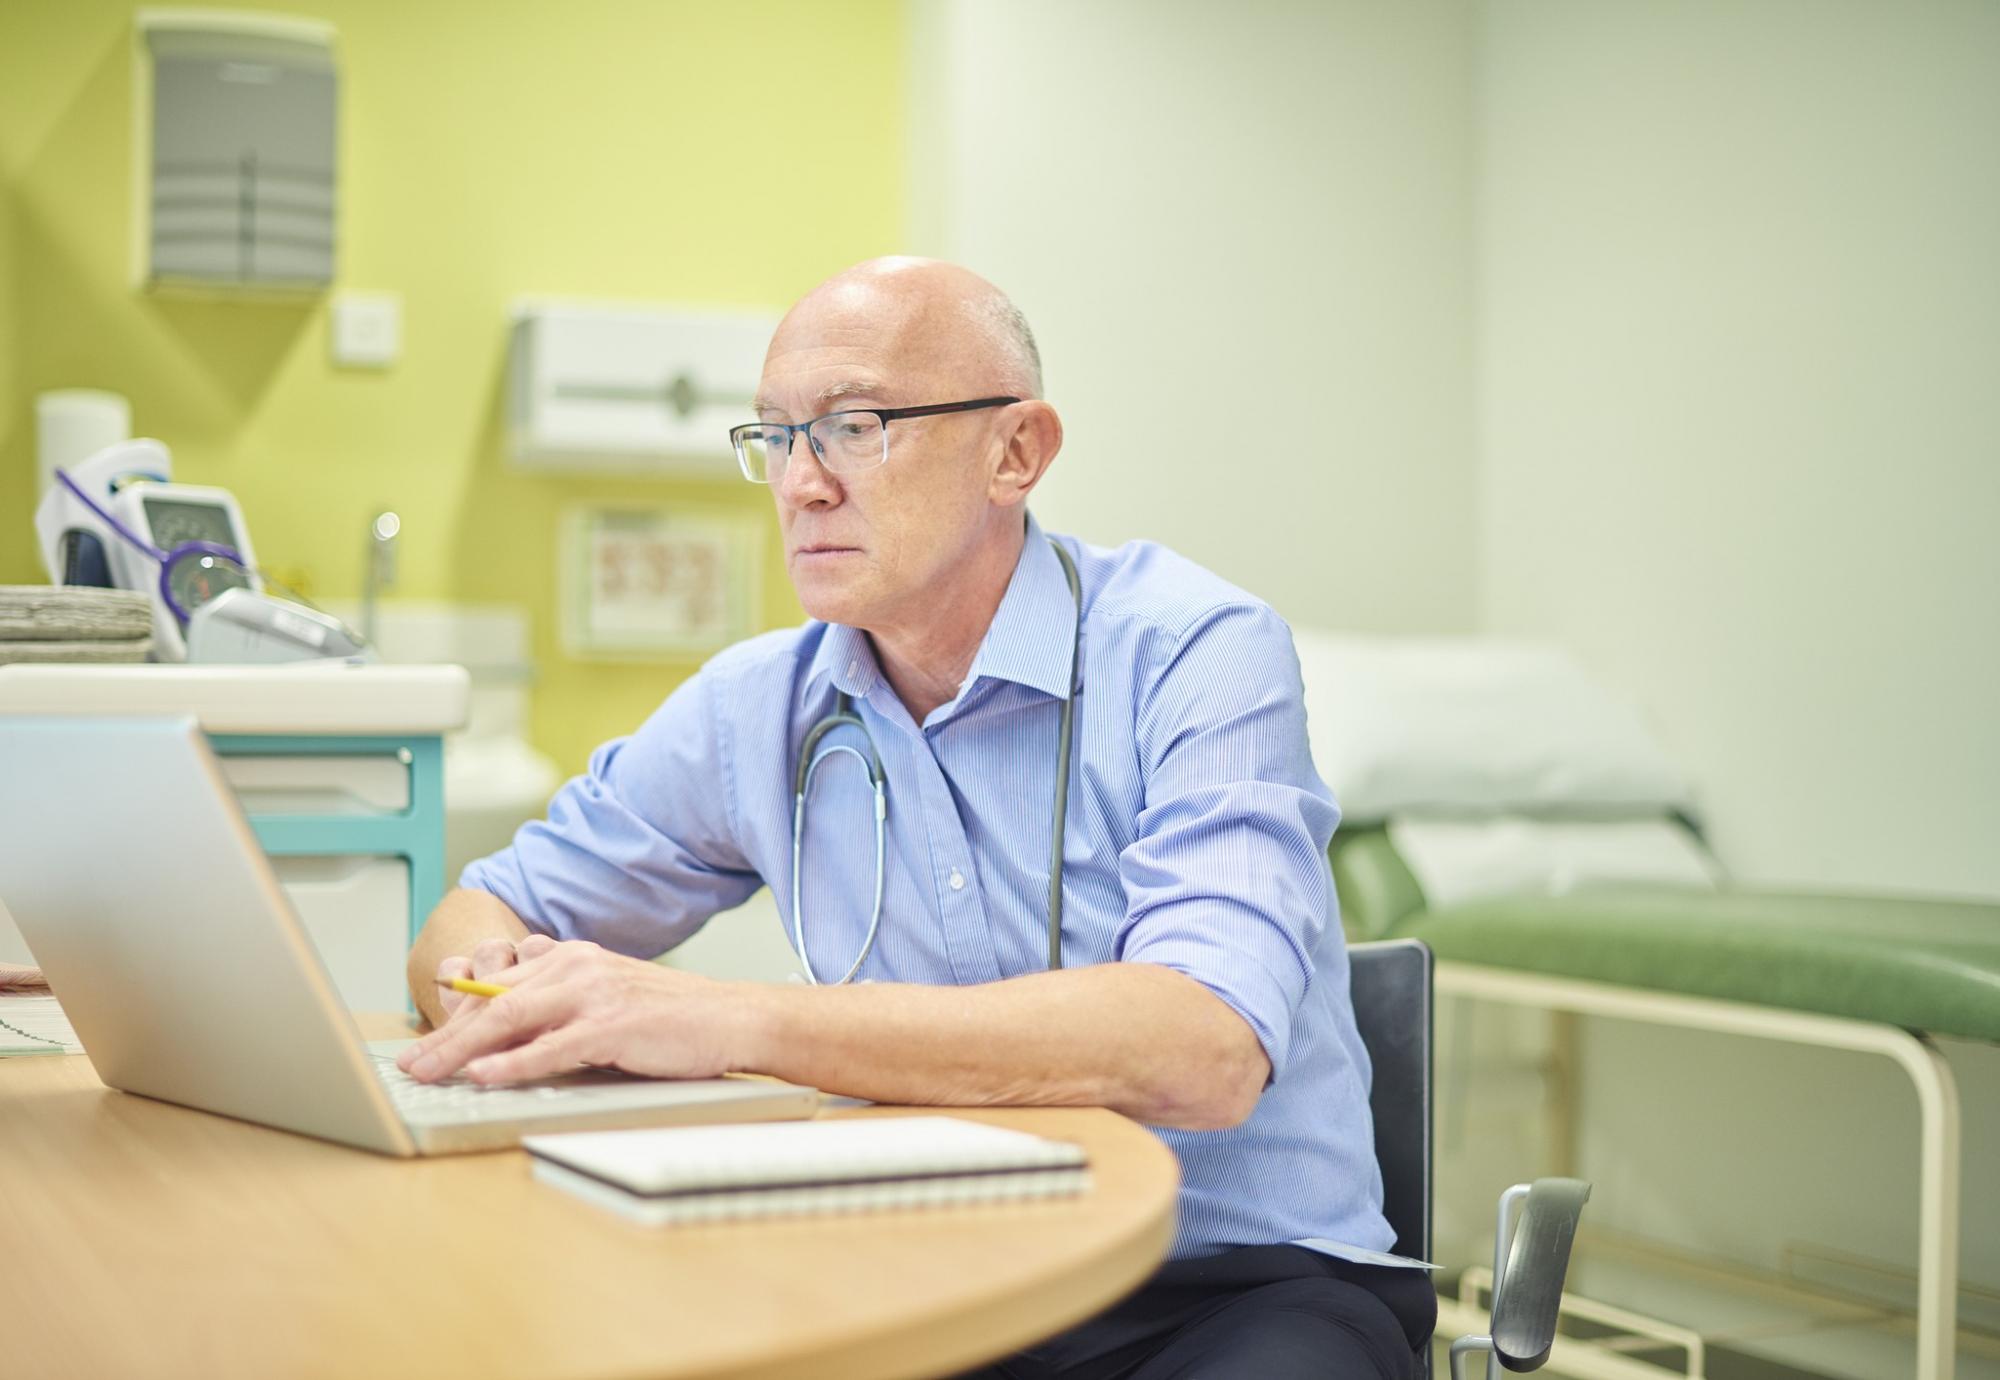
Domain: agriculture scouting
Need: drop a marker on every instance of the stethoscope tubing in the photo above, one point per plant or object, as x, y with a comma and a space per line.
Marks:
878, 781
1063, 747
878, 784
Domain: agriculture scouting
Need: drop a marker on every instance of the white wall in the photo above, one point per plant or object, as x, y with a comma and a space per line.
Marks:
1739, 449
1739, 405
1242, 234
1733, 435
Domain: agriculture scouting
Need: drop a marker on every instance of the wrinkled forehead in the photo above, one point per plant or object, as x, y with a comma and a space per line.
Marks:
856, 339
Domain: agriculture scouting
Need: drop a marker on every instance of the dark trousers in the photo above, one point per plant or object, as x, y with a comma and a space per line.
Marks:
1269, 1312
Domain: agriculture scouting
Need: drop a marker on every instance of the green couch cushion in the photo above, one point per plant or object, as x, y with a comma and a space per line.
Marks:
1920, 964
1376, 888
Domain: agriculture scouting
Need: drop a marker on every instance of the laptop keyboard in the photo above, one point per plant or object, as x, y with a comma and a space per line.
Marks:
461, 1097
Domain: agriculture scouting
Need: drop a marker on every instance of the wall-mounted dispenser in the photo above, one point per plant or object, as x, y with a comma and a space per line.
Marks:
594, 387
236, 117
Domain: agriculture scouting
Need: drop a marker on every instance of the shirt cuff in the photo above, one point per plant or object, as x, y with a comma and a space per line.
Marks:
1264, 995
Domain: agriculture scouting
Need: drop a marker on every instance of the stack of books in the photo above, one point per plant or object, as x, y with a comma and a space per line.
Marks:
72, 623
689, 1174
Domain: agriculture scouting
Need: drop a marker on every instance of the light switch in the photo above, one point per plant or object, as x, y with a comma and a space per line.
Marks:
367, 329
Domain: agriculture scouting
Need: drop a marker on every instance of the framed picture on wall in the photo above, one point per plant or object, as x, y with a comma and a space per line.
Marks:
651, 583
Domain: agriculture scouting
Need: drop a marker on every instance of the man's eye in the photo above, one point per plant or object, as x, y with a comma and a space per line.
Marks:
854, 431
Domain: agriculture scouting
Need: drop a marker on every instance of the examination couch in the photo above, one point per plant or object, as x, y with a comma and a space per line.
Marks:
1871, 974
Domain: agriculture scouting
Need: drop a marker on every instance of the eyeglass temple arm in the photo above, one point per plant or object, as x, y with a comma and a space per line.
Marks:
890, 414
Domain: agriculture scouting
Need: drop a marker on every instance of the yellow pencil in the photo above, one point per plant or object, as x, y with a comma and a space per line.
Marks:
473, 988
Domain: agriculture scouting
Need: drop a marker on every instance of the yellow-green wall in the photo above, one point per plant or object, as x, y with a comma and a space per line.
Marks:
487, 151
12, 512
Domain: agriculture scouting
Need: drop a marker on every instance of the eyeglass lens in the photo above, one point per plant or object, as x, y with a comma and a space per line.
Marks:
844, 442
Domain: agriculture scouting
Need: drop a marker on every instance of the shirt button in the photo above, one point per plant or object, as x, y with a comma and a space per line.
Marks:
957, 880
853, 669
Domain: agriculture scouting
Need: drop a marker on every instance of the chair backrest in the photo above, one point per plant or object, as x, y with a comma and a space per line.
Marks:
1391, 983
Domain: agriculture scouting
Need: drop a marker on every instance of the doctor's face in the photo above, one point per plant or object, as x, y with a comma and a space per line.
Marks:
874, 547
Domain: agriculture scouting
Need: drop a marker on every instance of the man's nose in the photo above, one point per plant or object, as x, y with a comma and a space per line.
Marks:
804, 480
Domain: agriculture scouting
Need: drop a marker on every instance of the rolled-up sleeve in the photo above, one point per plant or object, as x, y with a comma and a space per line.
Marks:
640, 850
1226, 880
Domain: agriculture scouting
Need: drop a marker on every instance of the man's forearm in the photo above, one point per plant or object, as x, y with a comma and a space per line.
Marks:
1135, 1037
461, 920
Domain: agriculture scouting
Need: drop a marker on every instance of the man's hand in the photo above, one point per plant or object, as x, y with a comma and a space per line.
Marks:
489, 956
576, 1005
1141, 1039
14, 975
463, 921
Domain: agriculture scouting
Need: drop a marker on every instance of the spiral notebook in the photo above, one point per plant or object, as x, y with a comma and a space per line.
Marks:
719, 1173
35, 1024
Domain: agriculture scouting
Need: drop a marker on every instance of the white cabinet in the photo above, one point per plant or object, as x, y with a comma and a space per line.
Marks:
356, 908
595, 387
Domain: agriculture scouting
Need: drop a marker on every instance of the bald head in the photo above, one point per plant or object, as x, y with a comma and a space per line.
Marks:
915, 542
937, 319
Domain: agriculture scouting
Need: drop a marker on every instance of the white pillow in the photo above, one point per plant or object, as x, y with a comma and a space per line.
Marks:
1458, 860
1467, 725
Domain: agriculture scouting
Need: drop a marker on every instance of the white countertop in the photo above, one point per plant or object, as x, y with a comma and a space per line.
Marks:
301, 697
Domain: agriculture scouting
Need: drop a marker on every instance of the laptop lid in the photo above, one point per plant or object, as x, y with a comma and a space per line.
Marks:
146, 899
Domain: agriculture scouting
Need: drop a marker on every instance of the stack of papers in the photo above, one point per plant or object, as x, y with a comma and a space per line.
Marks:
718, 1173
35, 1025
43, 623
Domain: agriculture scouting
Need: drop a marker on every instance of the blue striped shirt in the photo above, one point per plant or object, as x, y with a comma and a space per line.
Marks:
1196, 839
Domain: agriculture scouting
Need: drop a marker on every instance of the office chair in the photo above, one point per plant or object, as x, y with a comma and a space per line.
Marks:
1391, 982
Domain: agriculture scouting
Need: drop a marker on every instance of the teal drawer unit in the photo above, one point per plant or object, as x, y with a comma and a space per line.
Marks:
414, 832
339, 769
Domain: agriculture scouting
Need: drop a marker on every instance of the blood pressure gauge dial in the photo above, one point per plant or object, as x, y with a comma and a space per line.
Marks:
171, 515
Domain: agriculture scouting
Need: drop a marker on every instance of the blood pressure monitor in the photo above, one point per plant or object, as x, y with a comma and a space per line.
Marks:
170, 515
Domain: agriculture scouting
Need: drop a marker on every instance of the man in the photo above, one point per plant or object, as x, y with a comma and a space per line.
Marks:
1202, 986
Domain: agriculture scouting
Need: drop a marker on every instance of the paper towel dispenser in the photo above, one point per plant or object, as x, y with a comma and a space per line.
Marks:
236, 150
601, 387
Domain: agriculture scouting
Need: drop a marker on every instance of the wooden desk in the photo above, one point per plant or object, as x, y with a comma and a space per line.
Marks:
141, 1238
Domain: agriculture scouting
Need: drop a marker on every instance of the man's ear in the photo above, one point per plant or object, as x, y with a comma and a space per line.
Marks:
1027, 451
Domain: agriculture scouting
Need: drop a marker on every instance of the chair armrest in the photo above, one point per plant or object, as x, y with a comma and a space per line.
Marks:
1527, 1297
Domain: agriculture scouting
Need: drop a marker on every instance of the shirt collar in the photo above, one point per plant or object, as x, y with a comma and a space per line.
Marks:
846, 658
1033, 629
1028, 641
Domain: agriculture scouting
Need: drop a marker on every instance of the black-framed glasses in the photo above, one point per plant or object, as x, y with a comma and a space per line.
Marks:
844, 442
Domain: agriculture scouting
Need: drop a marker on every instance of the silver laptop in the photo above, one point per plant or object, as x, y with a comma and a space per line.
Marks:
146, 899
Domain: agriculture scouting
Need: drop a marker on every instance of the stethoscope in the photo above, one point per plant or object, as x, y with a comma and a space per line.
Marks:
843, 715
